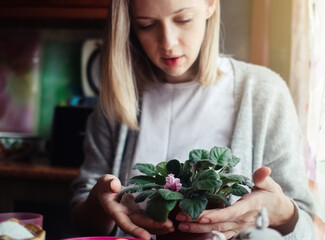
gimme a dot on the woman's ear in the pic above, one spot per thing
(212, 4)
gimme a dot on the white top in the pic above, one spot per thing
(166, 129)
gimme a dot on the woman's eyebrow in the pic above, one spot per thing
(143, 17)
(177, 11)
(183, 9)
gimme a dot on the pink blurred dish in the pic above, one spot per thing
(24, 217)
(102, 238)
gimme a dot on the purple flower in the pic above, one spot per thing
(172, 183)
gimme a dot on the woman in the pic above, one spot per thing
(164, 55)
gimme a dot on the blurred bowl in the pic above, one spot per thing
(24, 217)
(17, 146)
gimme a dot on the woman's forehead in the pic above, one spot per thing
(152, 8)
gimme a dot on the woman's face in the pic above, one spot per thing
(171, 33)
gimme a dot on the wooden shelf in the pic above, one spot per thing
(49, 13)
(35, 185)
(25, 171)
(55, 3)
(52, 13)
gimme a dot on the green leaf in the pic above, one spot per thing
(129, 189)
(186, 174)
(144, 195)
(234, 161)
(137, 188)
(170, 195)
(151, 185)
(174, 166)
(160, 179)
(159, 208)
(219, 197)
(141, 180)
(221, 155)
(187, 167)
(162, 169)
(148, 169)
(206, 180)
(193, 206)
(234, 178)
(205, 164)
(238, 190)
(198, 154)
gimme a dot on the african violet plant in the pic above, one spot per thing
(204, 178)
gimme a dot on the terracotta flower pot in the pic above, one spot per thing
(178, 235)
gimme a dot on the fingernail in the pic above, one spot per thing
(171, 229)
(148, 237)
(168, 226)
(184, 227)
(204, 220)
(181, 217)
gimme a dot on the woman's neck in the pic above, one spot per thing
(190, 75)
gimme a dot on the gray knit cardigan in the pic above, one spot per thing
(266, 133)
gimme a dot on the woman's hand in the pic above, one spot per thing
(127, 215)
(241, 215)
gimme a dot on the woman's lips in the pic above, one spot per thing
(172, 61)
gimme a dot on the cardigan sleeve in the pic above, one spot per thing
(267, 133)
(99, 150)
(284, 155)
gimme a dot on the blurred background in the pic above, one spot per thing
(49, 84)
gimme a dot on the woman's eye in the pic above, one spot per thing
(145, 26)
(184, 21)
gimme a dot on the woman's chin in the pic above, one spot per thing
(179, 76)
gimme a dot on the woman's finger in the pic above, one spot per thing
(115, 185)
(137, 215)
(125, 223)
(244, 221)
(217, 214)
(127, 214)
(204, 228)
(109, 184)
(121, 216)
(260, 174)
(161, 231)
(230, 213)
(107, 188)
(146, 222)
(263, 181)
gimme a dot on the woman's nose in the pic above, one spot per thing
(169, 37)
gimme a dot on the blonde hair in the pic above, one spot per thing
(126, 70)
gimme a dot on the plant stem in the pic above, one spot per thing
(227, 191)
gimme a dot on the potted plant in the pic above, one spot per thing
(202, 181)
